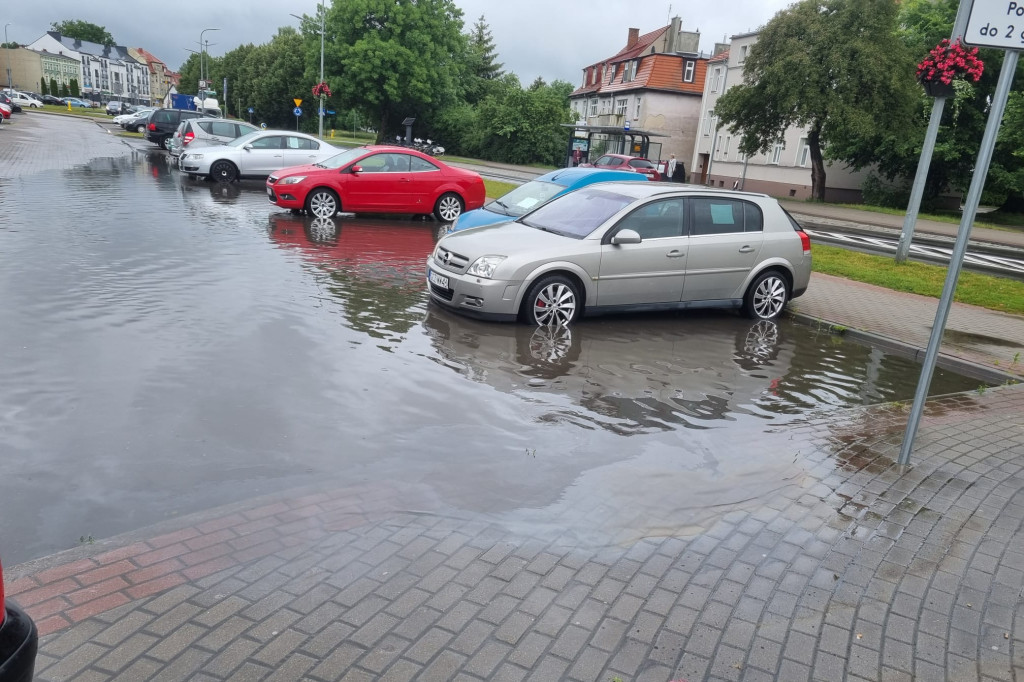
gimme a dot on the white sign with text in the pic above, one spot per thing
(996, 23)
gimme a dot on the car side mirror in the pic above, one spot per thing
(355, 170)
(626, 237)
(247, 147)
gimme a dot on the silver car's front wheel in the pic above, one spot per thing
(552, 301)
(322, 203)
(766, 296)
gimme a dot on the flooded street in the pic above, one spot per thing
(170, 346)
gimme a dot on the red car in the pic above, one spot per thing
(5, 111)
(626, 163)
(377, 179)
(18, 641)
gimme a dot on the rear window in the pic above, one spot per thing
(724, 216)
(641, 163)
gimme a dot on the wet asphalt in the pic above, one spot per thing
(172, 345)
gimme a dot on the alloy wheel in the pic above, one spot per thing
(449, 207)
(769, 297)
(323, 204)
(554, 304)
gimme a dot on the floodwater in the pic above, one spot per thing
(170, 346)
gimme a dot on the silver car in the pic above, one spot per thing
(626, 246)
(255, 155)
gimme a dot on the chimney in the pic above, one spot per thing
(634, 36)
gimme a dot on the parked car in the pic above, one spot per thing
(626, 163)
(76, 103)
(138, 121)
(163, 122)
(255, 155)
(23, 100)
(52, 99)
(9, 101)
(626, 246)
(537, 192)
(205, 132)
(115, 107)
(174, 143)
(5, 112)
(378, 179)
(19, 640)
(121, 119)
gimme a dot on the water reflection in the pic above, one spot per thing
(651, 373)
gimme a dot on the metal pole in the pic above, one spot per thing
(322, 26)
(988, 143)
(10, 85)
(202, 95)
(927, 148)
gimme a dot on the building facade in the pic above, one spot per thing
(104, 72)
(785, 171)
(655, 84)
(161, 78)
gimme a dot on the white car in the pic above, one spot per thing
(121, 119)
(23, 100)
(255, 155)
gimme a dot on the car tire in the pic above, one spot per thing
(141, 128)
(553, 299)
(223, 171)
(323, 203)
(165, 143)
(448, 207)
(766, 296)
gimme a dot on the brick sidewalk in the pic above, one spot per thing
(857, 570)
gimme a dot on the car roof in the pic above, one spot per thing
(567, 177)
(644, 190)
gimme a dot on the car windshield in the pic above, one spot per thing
(346, 157)
(525, 198)
(244, 139)
(577, 214)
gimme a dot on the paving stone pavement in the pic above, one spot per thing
(857, 569)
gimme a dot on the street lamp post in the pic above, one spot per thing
(202, 95)
(320, 104)
(10, 86)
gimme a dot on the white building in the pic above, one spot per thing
(785, 171)
(105, 73)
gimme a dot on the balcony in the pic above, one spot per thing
(607, 120)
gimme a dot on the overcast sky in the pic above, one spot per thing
(553, 39)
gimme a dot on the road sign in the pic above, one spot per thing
(330, 112)
(996, 23)
(263, 126)
(202, 84)
(627, 125)
(298, 102)
(251, 110)
(298, 111)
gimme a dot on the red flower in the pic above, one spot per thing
(948, 61)
(321, 89)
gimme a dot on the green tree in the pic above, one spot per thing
(54, 88)
(73, 87)
(83, 30)
(65, 91)
(267, 78)
(517, 125)
(834, 67)
(482, 67)
(43, 88)
(396, 58)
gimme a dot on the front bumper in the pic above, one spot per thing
(488, 299)
(18, 643)
(187, 164)
(289, 198)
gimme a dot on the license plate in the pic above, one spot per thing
(270, 192)
(439, 280)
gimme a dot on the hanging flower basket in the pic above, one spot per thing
(945, 63)
(321, 90)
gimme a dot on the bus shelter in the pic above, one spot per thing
(587, 143)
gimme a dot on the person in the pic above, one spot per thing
(680, 173)
(577, 157)
(671, 175)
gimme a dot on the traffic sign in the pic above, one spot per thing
(251, 110)
(298, 102)
(263, 126)
(330, 112)
(996, 23)
(298, 111)
(627, 125)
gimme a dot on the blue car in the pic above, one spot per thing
(525, 198)
(76, 103)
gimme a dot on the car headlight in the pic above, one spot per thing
(295, 179)
(195, 157)
(484, 266)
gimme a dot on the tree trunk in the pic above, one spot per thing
(383, 123)
(817, 162)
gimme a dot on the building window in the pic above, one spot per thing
(743, 53)
(718, 147)
(707, 123)
(725, 149)
(613, 70)
(593, 108)
(606, 106)
(636, 112)
(777, 153)
(688, 72)
(620, 106)
(716, 79)
(805, 153)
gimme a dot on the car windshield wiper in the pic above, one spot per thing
(319, 165)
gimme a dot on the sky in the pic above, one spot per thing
(553, 39)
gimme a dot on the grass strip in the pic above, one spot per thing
(497, 188)
(986, 291)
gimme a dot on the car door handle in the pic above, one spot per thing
(675, 253)
(746, 249)
(404, 180)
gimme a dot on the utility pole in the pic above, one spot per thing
(202, 93)
(10, 85)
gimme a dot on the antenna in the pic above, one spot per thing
(670, 12)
